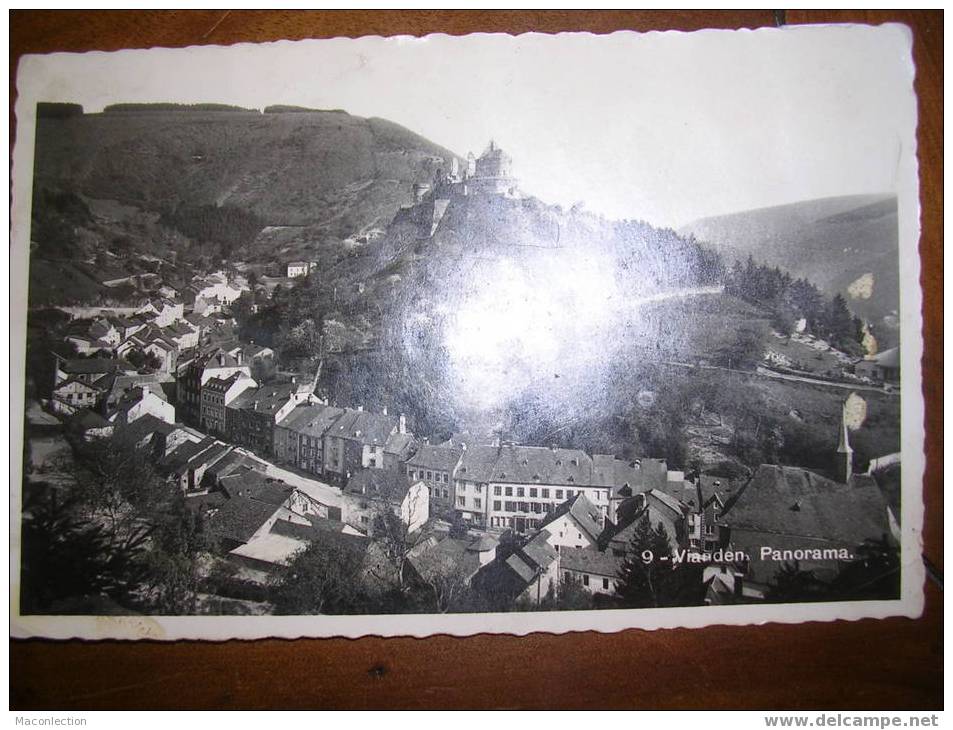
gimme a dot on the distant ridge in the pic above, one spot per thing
(290, 109)
(170, 107)
(329, 169)
(845, 244)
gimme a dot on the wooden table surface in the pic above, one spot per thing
(889, 664)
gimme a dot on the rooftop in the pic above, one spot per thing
(586, 514)
(583, 560)
(440, 458)
(364, 427)
(379, 484)
(311, 419)
(240, 518)
(794, 501)
(267, 399)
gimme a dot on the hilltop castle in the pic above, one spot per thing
(488, 174)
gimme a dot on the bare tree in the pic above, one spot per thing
(394, 535)
(445, 578)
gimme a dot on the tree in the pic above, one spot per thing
(144, 360)
(141, 516)
(570, 596)
(67, 560)
(394, 537)
(172, 561)
(791, 584)
(321, 578)
(444, 580)
(839, 322)
(643, 574)
(747, 348)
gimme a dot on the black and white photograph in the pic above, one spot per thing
(490, 333)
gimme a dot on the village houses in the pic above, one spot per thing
(217, 394)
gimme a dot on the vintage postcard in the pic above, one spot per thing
(404, 336)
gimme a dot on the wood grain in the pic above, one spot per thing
(890, 664)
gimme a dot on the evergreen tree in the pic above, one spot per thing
(644, 576)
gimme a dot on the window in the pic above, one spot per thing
(605, 583)
(545, 494)
(709, 529)
(511, 506)
(430, 475)
(567, 576)
(509, 491)
(445, 478)
(412, 473)
(461, 501)
(559, 494)
(533, 491)
(446, 494)
(477, 503)
(519, 491)
(363, 519)
(585, 580)
(524, 507)
(537, 507)
(478, 488)
(497, 491)
(497, 505)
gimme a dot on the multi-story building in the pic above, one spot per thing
(518, 487)
(296, 269)
(357, 441)
(217, 394)
(193, 373)
(299, 436)
(436, 466)
(251, 417)
(397, 449)
(369, 491)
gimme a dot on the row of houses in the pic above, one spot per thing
(790, 510)
(590, 507)
(511, 486)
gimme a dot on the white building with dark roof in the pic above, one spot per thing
(518, 487)
(596, 572)
(576, 523)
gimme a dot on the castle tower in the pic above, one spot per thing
(843, 447)
(493, 173)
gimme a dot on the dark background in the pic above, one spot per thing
(888, 664)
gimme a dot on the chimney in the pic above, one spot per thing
(294, 380)
(384, 412)
(360, 409)
(402, 424)
(240, 356)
